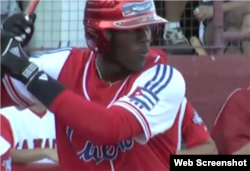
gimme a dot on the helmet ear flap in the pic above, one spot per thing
(97, 40)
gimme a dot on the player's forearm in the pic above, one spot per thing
(5, 98)
(234, 4)
(208, 147)
(101, 125)
(245, 150)
(27, 155)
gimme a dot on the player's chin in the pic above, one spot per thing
(136, 63)
(137, 66)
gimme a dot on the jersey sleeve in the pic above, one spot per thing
(231, 128)
(193, 130)
(155, 99)
(6, 100)
(6, 142)
(51, 63)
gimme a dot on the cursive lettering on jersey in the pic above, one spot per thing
(36, 143)
(97, 153)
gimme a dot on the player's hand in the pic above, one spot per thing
(204, 12)
(21, 25)
(14, 61)
(51, 154)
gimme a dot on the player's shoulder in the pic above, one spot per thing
(162, 80)
(9, 111)
(53, 54)
(161, 74)
(237, 103)
(156, 61)
(238, 93)
(61, 54)
(15, 115)
(54, 61)
(12, 114)
(237, 97)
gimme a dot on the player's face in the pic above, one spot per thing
(131, 47)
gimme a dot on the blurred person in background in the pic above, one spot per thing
(5, 5)
(5, 141)
(194, 137)
(173, 34)
(9, 7)
(31, 133)
(231, 131)
(236, 18)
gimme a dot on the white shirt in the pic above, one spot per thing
(31, 131)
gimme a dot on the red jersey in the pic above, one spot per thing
(137, 117)
(6, 142)
(192, 131)
(231, 129)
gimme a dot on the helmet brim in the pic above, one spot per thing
(135, 22)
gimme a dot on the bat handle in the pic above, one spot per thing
(32, 6)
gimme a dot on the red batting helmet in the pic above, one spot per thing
(116, 14)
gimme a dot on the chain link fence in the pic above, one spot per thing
(60, 24)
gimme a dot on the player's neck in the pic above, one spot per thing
(109, 71)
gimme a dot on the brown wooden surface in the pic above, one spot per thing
(211, 79)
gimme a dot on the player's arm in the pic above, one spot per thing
(21, 27)
(14, 92)
(245, 150)
(195, 134)
(153, 111)
(231, 130)
(6, 141)
(207, 147)
(26, 156)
